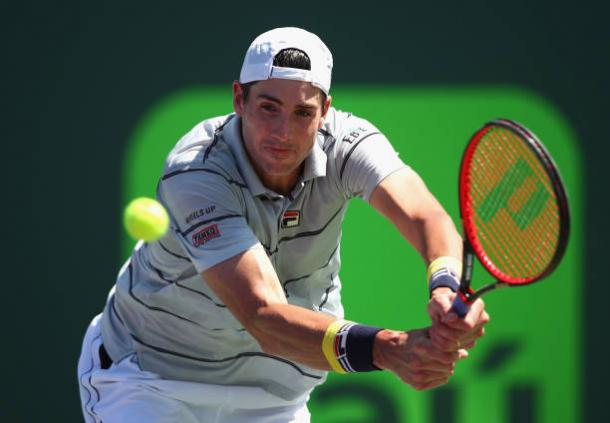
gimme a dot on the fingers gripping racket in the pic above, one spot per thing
(514, 209)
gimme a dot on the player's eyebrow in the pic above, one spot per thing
(270, 98)
(277, 100)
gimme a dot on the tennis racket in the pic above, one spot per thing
(514, 209)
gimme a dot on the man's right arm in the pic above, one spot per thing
(248, 285)
(232, 261)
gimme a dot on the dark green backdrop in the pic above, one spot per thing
(77, 76)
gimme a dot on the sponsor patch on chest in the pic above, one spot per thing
(204, 235)
(291, 218)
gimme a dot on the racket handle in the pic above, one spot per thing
(460, 306)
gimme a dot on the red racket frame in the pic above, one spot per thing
(472, 242)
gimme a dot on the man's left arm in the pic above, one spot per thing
(403, 198)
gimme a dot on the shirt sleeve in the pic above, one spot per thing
(365, 159)
(207, 216)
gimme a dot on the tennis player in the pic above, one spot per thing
(235, 315)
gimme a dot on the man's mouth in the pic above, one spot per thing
(279, 150)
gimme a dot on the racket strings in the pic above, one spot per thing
(524, 251)
(516, 214)
(497, 239)
(537, 198)
(517, 175)
(529, 200)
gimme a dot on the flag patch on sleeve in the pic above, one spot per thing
(291, 218)
(204, 235)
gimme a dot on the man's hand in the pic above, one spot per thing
(450, 332)
(413, 358)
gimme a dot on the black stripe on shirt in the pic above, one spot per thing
(291, 281)
(329, 140)
(349, 153)
(99, 398)
(306, 276)
(222, 125)
(217, 133)
(324, 132)
(114, 310)
(171, 253)
(221, 329)
(225, 359)
(82, 382)
(311, 233)
(205, 222)
(149, 306)
(327, 291)
(213, 172)
(209, 149)
(160, 274)
(268, 249)
(203, 294)
(179, 285)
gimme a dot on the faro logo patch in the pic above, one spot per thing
(204, 235)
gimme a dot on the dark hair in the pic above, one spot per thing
(287, 58)
(292, 58)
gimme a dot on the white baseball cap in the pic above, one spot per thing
(258, 63)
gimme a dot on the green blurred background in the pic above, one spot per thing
(87, 84)
(512, 369)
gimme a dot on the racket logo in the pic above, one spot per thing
(519, 193)
(513, 207)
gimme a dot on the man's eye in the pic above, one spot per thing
(303, 113)
(268, 107)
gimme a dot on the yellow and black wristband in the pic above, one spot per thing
(444, 271)
(348, 346)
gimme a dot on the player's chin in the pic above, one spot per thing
(281, 167)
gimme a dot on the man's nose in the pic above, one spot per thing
(281, 128)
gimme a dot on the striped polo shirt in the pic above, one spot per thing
(162, 309)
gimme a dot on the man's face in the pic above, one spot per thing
(280, 120)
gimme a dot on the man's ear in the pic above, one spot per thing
(238, 98)
(325, 111)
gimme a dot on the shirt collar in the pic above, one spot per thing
(315, 162)
(231, 133)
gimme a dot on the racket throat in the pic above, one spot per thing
(465, 292)
(468, 295)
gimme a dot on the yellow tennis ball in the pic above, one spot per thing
(145, 219)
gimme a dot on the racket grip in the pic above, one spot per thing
(460, 306)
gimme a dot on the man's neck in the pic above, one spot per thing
(282, 184)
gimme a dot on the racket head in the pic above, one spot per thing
(513, 203)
